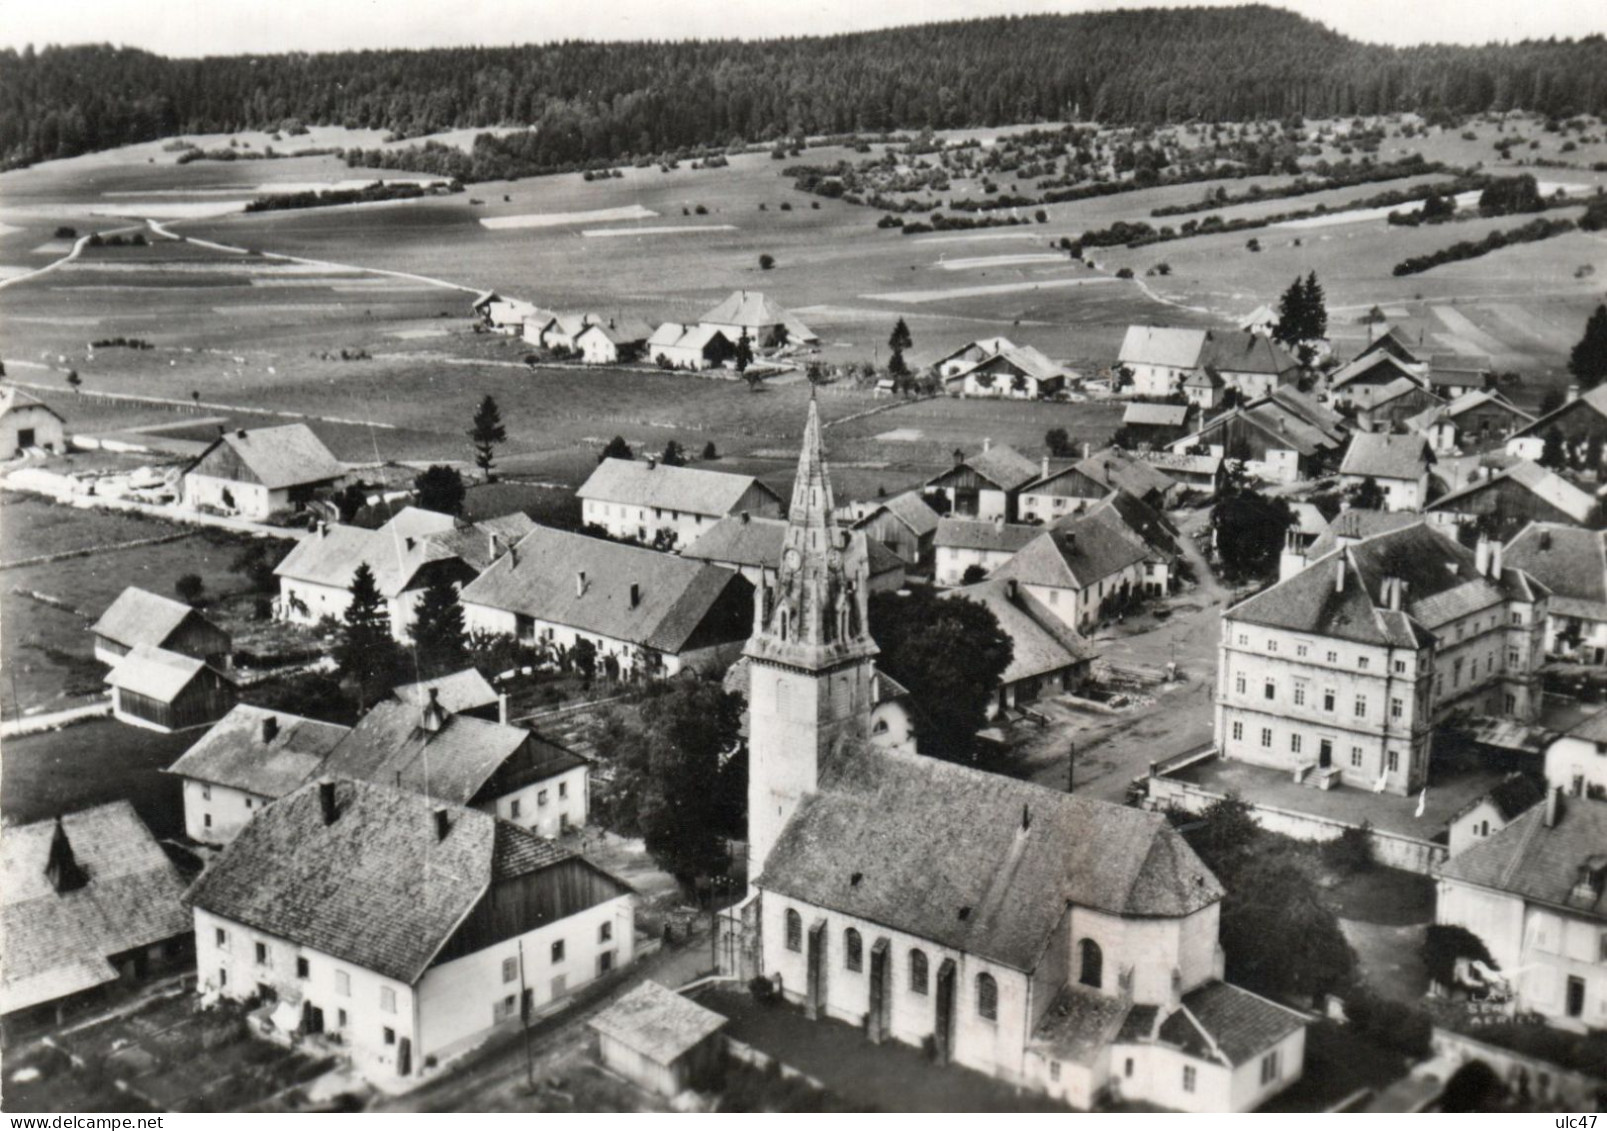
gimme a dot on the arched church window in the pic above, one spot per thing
(853, 950)
(1093, 963)
(917, 971)
(794, 930)
(987, 997)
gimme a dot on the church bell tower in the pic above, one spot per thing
(810, 656)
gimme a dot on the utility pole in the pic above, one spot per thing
(1071, 766)
(524, 1019)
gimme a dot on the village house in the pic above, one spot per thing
(986, 485)
(1376, 378)
(967, 545)
(1155, 425)
(1092, 566)
(141, 617)
(503, 315)
(1251, 363)
(1059, 492)
(1272, 446)
(259, 472)
(754, 314)
(1117, 470)
(248, 759)
(506, 771)
(27, 422)
(460, 693)
(753, 547)
(400, 929)
(1165, 359)
(1262, 320)
(905, 524)
(1059, 943)
(1454, 377)
(1491, 812)
(660, 1041)
(1205, 389)
(563, 331)
(415, 549)
(1192, 471)
(1576, 423)
(1340, 671)
(88, 901)
(168, 691)
(640, 499)
(1390, 340)
(534, 323)
(1572, 564)
(1398, 464)
(1509, 499)
(613, 341)
(675, 345)
(1536, 894)
(1576, 760)
(1047, 654)
(1476, 421)
(1161, 358)
(643, 612)
(1018, 372)
(969, 355)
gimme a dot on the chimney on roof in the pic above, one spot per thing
(959, 456)
(61, 866)
(1481, 556)
(1572, 395)
(1010, 588)
(1044, 467)
(1026, 817)
(240, 435)
(1293, 558)
(580, 583)
(270, 729)
(434, 716)
(326, 802)
(998, 522)
(1339, 574)
(323, 529)
(636, 594)
(502, 708)
(1085, 449)
(987, 443)
(408, 542)
(443, 824)
(1393, 587)
(1497, 552)
(1553, 806)
(492, 547)
(1545, 539)
(652, 462)
(744, 518)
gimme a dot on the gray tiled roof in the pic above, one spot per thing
(454, 763)
(757, 543)
(1542, 483)
(1542, 864)
(938, 850)
(233, 753)
(1570, 562)
(1242, 1024)
(1382, 455)
(1041, 643)
(461, 691)
(984, 534)
(1119, 470)
(690, 489)
(155, 672)
(284, 456)
(1168, 346)
(141, 617)
(657, 1022)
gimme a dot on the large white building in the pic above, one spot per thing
(26, 422)
(1342, 669)
(258, 472)
(401, 929)
(643, 500)
(1064, 944)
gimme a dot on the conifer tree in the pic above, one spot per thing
(487, 432)
(366, 653)
(439, 640)
(1588, 361)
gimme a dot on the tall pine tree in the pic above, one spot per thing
(1588, 361)
(1315, 309)
(486, 433)
(439, 641)
(366, 654)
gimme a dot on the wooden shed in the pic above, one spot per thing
(659, 1040)
(166, 691)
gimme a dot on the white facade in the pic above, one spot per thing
(1399, 494)
(248, 500)
(1577, 766)
(215, 814)
(30, 426)
(308, 602)
(951, 562)
(549, 807)
(1049, 508)
(627, 520)
(1157, 380)
(529, 630)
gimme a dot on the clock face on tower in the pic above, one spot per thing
(835, 559)
(792, 558)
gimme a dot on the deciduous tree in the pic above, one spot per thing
(439, 488)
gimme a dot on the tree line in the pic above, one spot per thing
(600, 101)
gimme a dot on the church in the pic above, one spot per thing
(1060, 943)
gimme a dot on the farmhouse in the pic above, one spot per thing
(1452, 377)
(535, 322)
(613, 341)
(964, 544)
(1349, 527)
(1576, 762)
(1272, 444)
(1117, 470)
(1572, 564)
(905, 524)
(986, 485)
(166, 691)
(506, 315)
(1161, 358)
(505, 771)
(248, 760)
(1536, 894)
(1262, 320)
(28, 422)
(87, 901)
(677, 346)
(141, 617)
(1391, 341)
(644, 613)
(1018, 372)
(1058, 492)
(1340, 672)
(1476, 421)
(1489, 814)
(970, 354)
(1047, 655)
(259, 472)
(461, 693)
(1578, 420)
(407, 928)
(1363, 382)
(659, 1040)
(754, 314)
(1155, 425)
(563, 331)
(1398, 464)
(1522, 493)
(1194, 471)
(1205, 388)
(642, 499)
(753, 547)
(1252, 363)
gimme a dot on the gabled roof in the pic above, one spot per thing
(984, 534)
(1465, 403)
(1355, 524)
(1591, 401)
(139, 616)
(1541, 864)
(1081, 551)
(1570, 562)
(754, 308)
(1169, 346)
(1241, 1025)
(657, 1023)
(288, 455)
(540, 579)
(1512, 795)
(1287, 401)
(667, 334)
(1383, 455)
(691, 489)
(1453, 372)
(909, 508)
(1392, 341)
(977, 862)
(330, 556)
(236, 753)
(377, 887)
(454, 762)
(1024, 360)
(466, 690)
(479, 544)
(1262, 315)
(570, 323)
(1119, 470)
(1041, 643)
(1592, 728)
(1181, 463)
(978, 350)
(59, 943)
(1204, 378)
(156, 673)
(1540, 482)
(1247, 352)
(740, 540)
(621, 331)
(1376, 368)
(12, 397)
(1157, 415)
(1000, 464)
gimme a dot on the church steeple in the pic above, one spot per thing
(815, 616)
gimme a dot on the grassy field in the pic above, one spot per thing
(90, 764)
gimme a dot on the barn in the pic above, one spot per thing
(255, 473)
(659, 1040)
(165, 691)
(28, 422)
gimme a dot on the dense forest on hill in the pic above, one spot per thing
(606, 101)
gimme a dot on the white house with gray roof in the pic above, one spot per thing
(636, 500)
(256, 472)
(1399, 464)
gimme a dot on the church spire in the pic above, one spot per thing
(815, 615)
